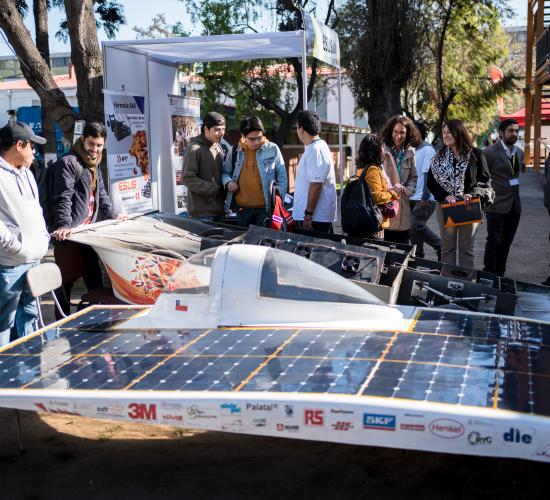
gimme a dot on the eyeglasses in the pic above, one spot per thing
(254, 139)
(24, 144)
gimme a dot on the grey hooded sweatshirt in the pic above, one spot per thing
(23, 234)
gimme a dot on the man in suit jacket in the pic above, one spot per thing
(505, 162)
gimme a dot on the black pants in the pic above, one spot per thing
(396, 236)
(75, 261)
(501, 229)
(420, 232)
(251, 216)
(320, 227)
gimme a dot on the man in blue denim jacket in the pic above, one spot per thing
(248, 172)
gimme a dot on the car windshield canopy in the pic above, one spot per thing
(193, 275)
(286, 276)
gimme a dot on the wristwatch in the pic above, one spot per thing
(308, 212)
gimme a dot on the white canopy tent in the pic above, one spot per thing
(150, 68)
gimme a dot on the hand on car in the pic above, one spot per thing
(450, 199)
(61, 234)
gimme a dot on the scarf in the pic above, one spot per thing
(89, 163)
(449, 172)
(398, 156)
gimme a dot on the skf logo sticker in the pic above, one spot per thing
(142, 411)
(378, 422)
(314, 417)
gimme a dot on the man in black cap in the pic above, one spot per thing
(202, 169)
(23, 235)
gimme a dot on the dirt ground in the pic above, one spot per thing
(74, 457)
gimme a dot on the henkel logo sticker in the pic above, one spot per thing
(412, 427)
(142, 411)
(314, 417)
(475, 438)
(342, 426)
(446, 428)
(230, 408)
(519, 436)
(378, 422)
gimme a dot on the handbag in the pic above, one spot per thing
(389, 210)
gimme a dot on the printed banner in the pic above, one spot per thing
(127, 152)
(185, 124)
(322, 41)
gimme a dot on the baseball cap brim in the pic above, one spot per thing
(37, 139)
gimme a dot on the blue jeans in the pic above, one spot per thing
(18, 310)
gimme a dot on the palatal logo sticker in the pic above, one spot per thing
(446, 428)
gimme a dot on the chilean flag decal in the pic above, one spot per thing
(180, 306)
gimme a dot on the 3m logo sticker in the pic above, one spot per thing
(142, 411)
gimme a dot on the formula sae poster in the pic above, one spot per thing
(185, 124)
(127, 152)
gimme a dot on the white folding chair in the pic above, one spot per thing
(44, 278)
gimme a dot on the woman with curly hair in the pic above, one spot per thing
(369, 156)
(399, 135)
(458, 172)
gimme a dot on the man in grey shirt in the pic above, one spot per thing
(23, 235)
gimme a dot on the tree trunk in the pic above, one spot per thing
(384, 101)
(35, 69)
(86, 57)
(40, 11)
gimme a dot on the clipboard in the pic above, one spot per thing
(456, 215)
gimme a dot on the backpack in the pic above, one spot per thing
(279, 218)
(360, 216)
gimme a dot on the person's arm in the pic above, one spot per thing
(391, 169)
(410, 184)
(373, 178)
(190, 174)
(104, 202)
(482, 187)
(62, 193)
(9, 242)
(280, 174)
(439, 193)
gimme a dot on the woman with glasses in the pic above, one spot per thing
(458, 172)
(399, 134)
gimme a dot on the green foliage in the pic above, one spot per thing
(442, 66)
(159, 28)
(268, 88)
(474, 41)
(109, 17)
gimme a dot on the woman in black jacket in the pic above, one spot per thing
(458, 172)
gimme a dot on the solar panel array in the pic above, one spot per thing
(446, 357)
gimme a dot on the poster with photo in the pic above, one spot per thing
(185, 123)
(127, 152)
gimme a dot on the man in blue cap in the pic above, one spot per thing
(23, 235)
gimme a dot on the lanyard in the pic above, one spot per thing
(513, 164)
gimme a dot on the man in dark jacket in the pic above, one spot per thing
(76, 195)
(505, 162)
(202, 168)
